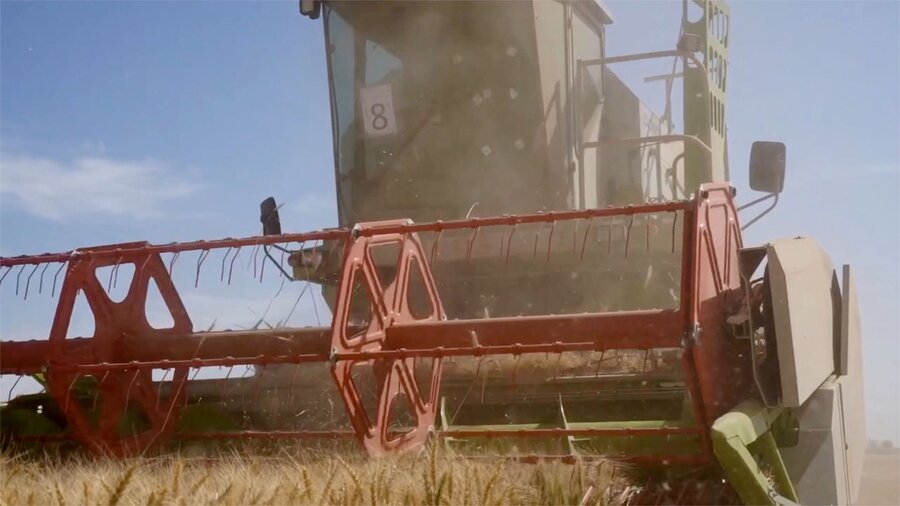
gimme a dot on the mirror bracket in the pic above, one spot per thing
(773, 196)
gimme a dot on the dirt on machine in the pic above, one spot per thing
(529, 262)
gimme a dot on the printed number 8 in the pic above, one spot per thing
(379, 121)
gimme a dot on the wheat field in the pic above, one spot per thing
(432, 476)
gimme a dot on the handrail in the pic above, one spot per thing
(650, 139)
(581, 64)
(649, 56)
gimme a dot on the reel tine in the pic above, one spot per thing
(648, 232)
(55, 276)
(41, 279)
(9, 397)
(509, 242)
(146, 261)
(471, 245)
(308, 286)
(173, 398)
(483, 383)
(628, 234)
(609, 236)
(237, 253)
(281, 264)
(28, 280)
(556, 365)
(244, 390)
(550, 239)
(575, 236)
(674, 221)
(116, 275)
(300, 247)
(172, 261)
(18, 277)
(587, 232)
(224, 258)
(599, 364)
(99, 389)
(312, 297)
(140, 271)
(262, 271)
(468, 391)
(203, 254)
(255, 259)
(109, 282)
(160, 385)
(4, 274)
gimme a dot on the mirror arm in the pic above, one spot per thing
(773, 196)
(757, 201)
(276, 263)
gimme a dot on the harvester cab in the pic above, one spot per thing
(446, 111)
(529, 262)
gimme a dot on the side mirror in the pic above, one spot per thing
(767, 166)
(268, 215)
(311, 8)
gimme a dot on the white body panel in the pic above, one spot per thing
(801, 277)
(851, 380)
(826, 465)
(817, 464)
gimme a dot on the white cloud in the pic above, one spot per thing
(57, 190)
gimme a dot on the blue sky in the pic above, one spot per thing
(193, 112)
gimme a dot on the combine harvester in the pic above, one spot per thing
(573, 282)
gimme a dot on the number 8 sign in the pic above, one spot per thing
(378, 110)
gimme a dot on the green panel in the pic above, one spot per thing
(706, 118)
(635, 445)
(743, 441)
(26, 422)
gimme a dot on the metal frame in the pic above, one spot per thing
(582, 145)
(121, 355)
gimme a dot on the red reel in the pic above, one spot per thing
(96, 414)
(409, 295)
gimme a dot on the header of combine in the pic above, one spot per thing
(529, 261)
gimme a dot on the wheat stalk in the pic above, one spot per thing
(121, 485)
